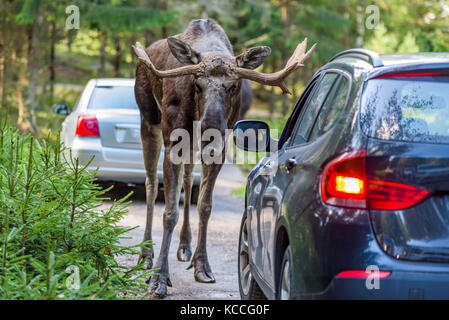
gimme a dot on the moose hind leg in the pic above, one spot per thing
(151, 143)
(184, 250)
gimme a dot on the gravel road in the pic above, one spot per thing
(222, 238)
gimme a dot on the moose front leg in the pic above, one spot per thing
(203, 272)
(184, 251)
(172, 184)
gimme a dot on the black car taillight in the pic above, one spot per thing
(344, 183)
(87, 126)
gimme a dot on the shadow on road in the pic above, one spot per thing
(120, 190)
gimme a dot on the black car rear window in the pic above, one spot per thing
(407, 109)
(113, 97)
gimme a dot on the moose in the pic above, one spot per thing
(192, 76)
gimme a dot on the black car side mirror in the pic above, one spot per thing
(252, 135)
(62, 109)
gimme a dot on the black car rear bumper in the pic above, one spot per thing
(350, 244)
(399, 285)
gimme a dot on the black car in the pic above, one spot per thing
(353, 203)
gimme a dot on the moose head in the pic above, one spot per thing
(217, 75)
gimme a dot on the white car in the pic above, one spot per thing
(105, 124)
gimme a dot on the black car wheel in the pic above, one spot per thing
(286, 289)
(248, 287)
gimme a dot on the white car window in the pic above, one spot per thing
(113, 97)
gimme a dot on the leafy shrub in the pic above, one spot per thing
(52, 228)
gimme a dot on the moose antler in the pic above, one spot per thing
(181, 71)
(273, 79)
(277, 79)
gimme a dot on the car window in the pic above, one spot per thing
(310, 111)
(113, 97)
(407, 109)
(332, 109)
(290, 125)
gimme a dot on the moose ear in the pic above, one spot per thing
(183, 52)
(253, 57)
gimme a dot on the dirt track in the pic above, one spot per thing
(222, 240)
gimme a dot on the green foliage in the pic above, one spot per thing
(411, 26)
(382, 41)
(102, 47)
(130, 19)
(28, 12)
(46, 119)
(408, 44)
(53, 227)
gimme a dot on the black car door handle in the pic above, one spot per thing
(290, 164)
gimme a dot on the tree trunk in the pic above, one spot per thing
(149, 37)
(21, 109)
(4, 62)
(164, 9)
(2, 73)
(23, 119)
(360, 24)
(32, 71)
(118, 57)
(132, 65)
(102, 66)
(3, 82)
(51, 67)
(70, 36)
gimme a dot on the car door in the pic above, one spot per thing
(261, 180)
(314, 140)
(292, 167)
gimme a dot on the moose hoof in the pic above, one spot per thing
(148, 260)
(184, 254)
(203, 271)
(159, 288)
(148, 256)
(204, 276)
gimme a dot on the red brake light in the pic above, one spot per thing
(87, 126)
(386, 195)
(344, 184)
(409, 74)
(363, 274)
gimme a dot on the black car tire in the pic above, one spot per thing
(248, 287)
(285, 286)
